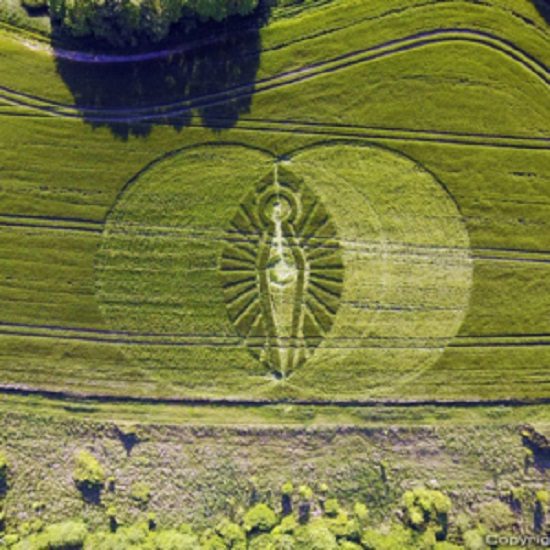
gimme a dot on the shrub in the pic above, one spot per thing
(316, 535)
(287, 488)
(212, 541)
(304, 508)
(141, 493)
(396, 537)
(425, 508)
(496, 516)
(541, 510)
(543, 497)
(260, 518)
(88, 472)
(305, 492)
(287, 526)
(361, 513)
(173, 540)
(474, 539)
(263, 542)
(286, 498)
(332, 508)
(342, 527)
(62, 536)
(232, 534)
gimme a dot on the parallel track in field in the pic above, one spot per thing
(160, 112)
(56, 223)
(134, 338)
(70, 397)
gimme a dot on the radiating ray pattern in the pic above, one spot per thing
(282, 271)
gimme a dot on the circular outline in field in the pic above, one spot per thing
(418, 230)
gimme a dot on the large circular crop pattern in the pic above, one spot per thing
(340, 270)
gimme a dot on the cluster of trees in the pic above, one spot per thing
(304, 521)
(127, 22)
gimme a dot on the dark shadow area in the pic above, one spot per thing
(90, 493)
(129, 439)
(36, 11)
(208, 71)
(543, 7)
(539, 445)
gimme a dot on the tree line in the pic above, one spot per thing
(127, 22)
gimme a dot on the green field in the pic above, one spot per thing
(445, 292)
(335, 221)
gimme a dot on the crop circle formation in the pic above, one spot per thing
(343, 268)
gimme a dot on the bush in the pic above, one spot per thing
(260, 518)
(425, 508)
(141, 493)
(496, 517)
(173, 540)
(315, 536)
(232, 534)
(88, 472)
(61, 536)
(396, 537)
(474, 539)
(332, 508)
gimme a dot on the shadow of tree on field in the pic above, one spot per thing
(543, 6)
(209, 73)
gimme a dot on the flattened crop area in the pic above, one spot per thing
(349, 204)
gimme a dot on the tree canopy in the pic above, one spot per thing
(125, 22)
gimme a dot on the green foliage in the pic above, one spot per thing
(316, 535)
(474, 539)
(543, 496)
(69, 535)
(305, 492)
(287, 526)
(332, 508)
(88, 472)
(260, 530)
(361, 513)
(141, 493)
(138, 536)
(123, 23)
(496, 516)
(348, 545)
(173, 540)
(232, 534)
(425, 508)
(260, 518)
(287, 488)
